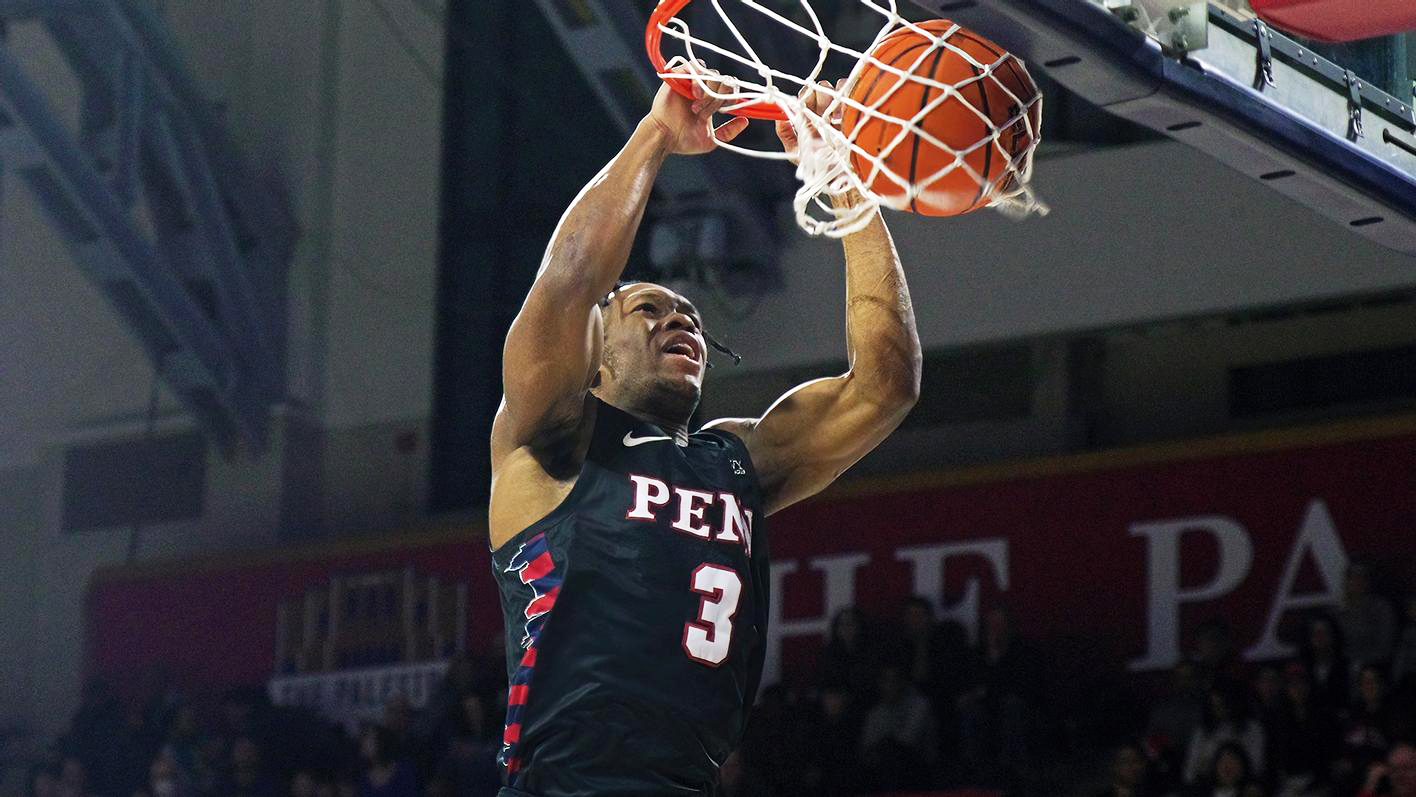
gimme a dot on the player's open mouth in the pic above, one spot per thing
(683, 345)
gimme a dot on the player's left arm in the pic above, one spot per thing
(814, 432)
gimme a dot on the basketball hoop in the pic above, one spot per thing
(831, 162)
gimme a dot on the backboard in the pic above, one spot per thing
(1330, 126)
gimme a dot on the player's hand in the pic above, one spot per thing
(688, 123)
(817, 101)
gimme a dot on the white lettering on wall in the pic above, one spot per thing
(1317, 538)
(838, 573)
(1163, 592)
(927, 564)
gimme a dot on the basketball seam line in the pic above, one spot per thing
(880, 73)
(914, 151)
(988, 150)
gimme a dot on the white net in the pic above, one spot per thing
(832, 162)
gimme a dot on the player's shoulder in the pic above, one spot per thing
(741, 427)
(733, 432)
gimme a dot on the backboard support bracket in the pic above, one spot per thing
(1293, 133)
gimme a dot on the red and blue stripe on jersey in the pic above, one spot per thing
(538, 571)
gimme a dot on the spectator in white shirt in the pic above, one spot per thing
(1226, 719)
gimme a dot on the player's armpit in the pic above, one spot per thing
(814, 432)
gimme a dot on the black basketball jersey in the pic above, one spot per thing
(636, 617)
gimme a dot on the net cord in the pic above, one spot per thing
(824, 157)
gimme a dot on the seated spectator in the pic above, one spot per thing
(849, 658)
(248, 778)
(923, 645)
(1395, 777)
(240, 712)
(1226, 719)
(1403, 665)
(1173, 720)
(1367, 621)
(1269, 695)
(1324, 655)
(304, 783)
(1269, 706)
(444, 705)
(386, 772)
(994, 727)
(938, 656)
(1213, 652)
(1367, 735)
(43, 781)
(165, 778)
(1130, 773)
(1229, 775)
(73, 778)
(469, 766)
(184, 738)
(1306, 738)
(835, 731)
(900, 740)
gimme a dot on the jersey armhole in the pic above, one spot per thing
(550, 518)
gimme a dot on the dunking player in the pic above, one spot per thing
(630, 552)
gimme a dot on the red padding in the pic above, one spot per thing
(1338, 20)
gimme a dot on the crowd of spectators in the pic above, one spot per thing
(243, 746)
(908, 704)
(1337, 720)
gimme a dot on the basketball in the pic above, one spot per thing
(977, 164)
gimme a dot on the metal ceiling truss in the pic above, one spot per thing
(199, 277)
(606, 40)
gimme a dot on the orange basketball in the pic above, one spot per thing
(948, 189)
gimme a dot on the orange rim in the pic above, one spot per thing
(667, 10)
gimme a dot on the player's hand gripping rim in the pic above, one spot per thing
(688, 124)
(817, 99)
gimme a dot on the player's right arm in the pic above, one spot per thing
(552, 350)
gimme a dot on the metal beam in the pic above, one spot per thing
(16, 10)
(198, 146)
(205, 291)
(185, 345)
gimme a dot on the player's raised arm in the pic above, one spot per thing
(816, 431)
(552, 350)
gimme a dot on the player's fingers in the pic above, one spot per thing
(723, 86)
(730, 129)
(823, 91)
(708, 84)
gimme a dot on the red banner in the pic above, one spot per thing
(1115, 554)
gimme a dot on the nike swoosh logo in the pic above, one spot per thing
(630, 441)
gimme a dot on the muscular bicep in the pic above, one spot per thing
(550, 358)
(813, 433)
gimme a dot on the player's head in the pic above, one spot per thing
(655, 353)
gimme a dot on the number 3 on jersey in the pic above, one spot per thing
(707, 640)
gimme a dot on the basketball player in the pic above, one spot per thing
(630, 550)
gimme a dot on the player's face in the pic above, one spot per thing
(654, 345)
